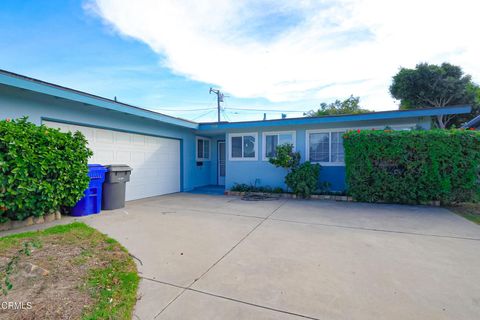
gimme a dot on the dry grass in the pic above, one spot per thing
(90, 276)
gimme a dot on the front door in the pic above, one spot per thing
(221, 163)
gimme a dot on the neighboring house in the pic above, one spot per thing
(474, 123)
(169, 154)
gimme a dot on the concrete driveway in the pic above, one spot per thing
(218, 257)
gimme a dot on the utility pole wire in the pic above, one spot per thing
(220, 96)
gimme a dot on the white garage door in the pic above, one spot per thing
(155, 161)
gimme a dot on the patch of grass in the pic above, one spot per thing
(100, 269)
(470, 211)
(115, 292)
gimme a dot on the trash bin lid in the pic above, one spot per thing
(96, 167)
(118, 167)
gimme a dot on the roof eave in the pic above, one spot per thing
(337, 119)
(38, 86)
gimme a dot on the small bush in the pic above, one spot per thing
(303, 180)
(413, 166)
(242, 187)
(41, 169)
(285, 157)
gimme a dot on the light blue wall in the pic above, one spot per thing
(262, 173)
(15, 103)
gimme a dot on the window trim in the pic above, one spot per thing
(242, 134)
(264, 140)
(209, 148)
(406, 126)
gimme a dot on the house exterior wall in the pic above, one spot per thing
(16, 103)
(262, 173)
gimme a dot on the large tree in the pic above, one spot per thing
(430, 85)
(350, 105)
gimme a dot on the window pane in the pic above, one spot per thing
(248, 147)
(206, 149)
(285, 138)
(236, 147)
(337, 147)
(319, 147)
(199, 148)
(271, 142)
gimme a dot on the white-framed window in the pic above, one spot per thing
(325, 146)
(243, 146)
(203, 149)
(270, 141)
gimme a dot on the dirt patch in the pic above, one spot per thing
(53, 282)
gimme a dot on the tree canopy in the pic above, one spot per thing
(430, 85)
(350, 105)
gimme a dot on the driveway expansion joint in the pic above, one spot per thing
(376, 230)
(221, 258)
(225, 298)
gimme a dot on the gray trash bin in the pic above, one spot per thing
(116, 177)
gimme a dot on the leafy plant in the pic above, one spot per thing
(6, 285)
(41, 169)
(351, 105)
(243, 187)
(413, 166)
(285, 157)
(303, 180)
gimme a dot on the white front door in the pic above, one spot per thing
(221, 162)
(155, 161)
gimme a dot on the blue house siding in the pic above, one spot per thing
(262, 173)
(16, 103)
(40, 101)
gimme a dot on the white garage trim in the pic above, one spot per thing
(156, 160)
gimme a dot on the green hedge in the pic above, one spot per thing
(412, 166)
(41, 169)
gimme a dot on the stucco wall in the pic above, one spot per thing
(263, 173)
(15, 103)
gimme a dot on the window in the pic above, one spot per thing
(203, 149)
(273, 139)
(325, 147)
(243, 146)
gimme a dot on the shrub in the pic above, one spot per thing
(285, 157)
(242, 187)
(412, 166)
(41, 169)
(303, 180)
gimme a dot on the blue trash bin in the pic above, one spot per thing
(92, 199)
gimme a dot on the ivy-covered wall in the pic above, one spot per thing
(412, 166)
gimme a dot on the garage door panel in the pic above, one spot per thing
(155, 161)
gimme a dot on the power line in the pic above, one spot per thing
(265, 110)
(184, 110)
(202, 115)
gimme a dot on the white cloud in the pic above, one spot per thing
(300, 50)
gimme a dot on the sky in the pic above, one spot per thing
(267, 56)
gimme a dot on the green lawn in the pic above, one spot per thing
(470, 211)
(90, 276)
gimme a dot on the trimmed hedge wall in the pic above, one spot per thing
(412, 166)
(41, 169)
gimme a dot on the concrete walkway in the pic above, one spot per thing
(217, 257)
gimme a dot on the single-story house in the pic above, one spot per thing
(170, 154)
